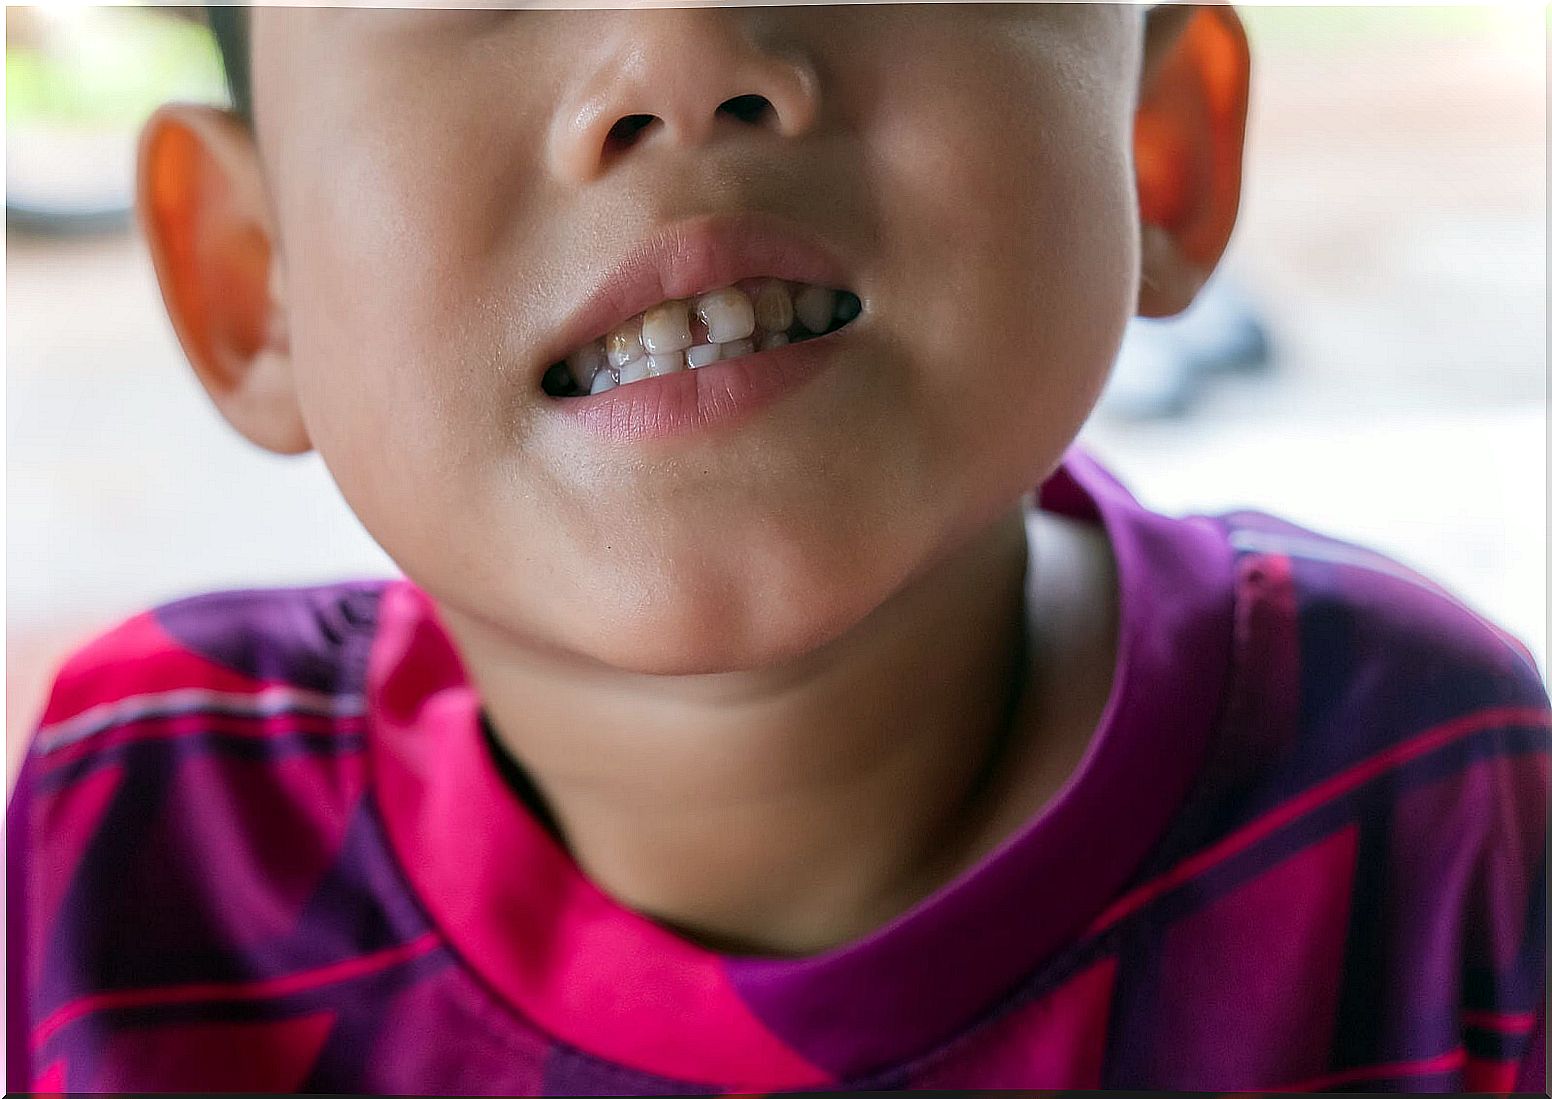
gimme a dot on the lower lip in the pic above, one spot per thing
(699, 399)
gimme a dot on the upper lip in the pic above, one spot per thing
(690, 257)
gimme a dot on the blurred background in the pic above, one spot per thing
(1370, 360)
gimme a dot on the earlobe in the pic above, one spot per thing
(201, 205)
(1169, 280)
(1188, 146)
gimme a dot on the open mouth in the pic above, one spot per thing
(748, 317)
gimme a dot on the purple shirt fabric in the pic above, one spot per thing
(260, 844)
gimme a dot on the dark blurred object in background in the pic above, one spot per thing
(1164, 364)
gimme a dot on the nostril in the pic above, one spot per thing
(624, 132)
(747, 108)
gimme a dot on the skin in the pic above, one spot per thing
(761, 676)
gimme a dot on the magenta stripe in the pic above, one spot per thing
(1505, 1022)
(1444, 1062)
(267, 988)
(1312, 799)
(18, 846)
(192, 724)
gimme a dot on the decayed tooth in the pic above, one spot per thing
(634, 371)
(847, 306)
(815, 306)
(666, 328)
(658, 365)
(769, 340)
(586, 363)
(624, 344)
(703, 354)
(603, 380)
(737, 348)
(773, 306)
(727, 313)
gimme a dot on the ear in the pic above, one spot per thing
(202, 205)
(1188, 145)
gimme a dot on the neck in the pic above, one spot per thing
(784, 810)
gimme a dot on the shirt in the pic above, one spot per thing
(259, 843)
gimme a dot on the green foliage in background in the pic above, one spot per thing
(111, 67)
(1346, 25)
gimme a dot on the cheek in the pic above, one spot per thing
(402, 340)
(1015, 255)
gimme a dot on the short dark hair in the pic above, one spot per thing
(229, 24)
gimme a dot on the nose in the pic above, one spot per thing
(682, 78)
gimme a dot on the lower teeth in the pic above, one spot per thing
(559, 381)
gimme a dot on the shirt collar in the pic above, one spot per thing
(615, 985)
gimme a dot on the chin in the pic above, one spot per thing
(692, 633)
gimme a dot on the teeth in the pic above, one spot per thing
(624, 344)
(634, 371)
(586, 363)
(666, 328)
(658, 365)
(815, 306)
(703, 354)
(680, 334)
(727, 313)
(773, 307)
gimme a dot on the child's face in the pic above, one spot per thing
(446, 196)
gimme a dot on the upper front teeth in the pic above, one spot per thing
(727, 315)
(721, 324)
(664, 329)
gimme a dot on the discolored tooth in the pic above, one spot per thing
(847, 307)
(602, 381)
(624, 344)
(727, 313)
(634, 371)
(658, 365)
(703, 354)
(586, 363)
(815, 307)
(737, 348)
(769, 340)
(773, 307)
(666, 328)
